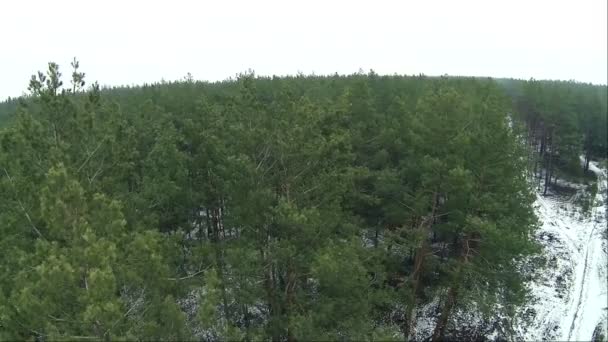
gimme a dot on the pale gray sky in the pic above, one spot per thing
(130, 42)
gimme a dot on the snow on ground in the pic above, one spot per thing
(570, 292)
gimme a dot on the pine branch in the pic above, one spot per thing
(189, 276)
(27, 215)
(89, 156)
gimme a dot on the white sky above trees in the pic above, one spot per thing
(131, 42)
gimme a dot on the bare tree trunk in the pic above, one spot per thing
(219, 259)
(209, 229)
(246, 321)
(269, 286)
(549, 167)
(376, 233)
(290, 288)
(543, 141)
(587, 149)
(419, 260)
(542, 154)
(452, 296)
(450, 302)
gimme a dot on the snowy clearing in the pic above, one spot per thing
(570, 295)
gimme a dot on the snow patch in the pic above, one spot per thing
(570, 291)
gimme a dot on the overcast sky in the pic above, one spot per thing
(130, 42)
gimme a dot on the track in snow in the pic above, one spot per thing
(580, 296)
(570, 292)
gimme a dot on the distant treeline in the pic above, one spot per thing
(564, 120)
(284, 208)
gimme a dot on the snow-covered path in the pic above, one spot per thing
(571, 292)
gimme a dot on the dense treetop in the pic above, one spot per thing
(291, 208)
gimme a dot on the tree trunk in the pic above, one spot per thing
(219, 260)
(246, 321)
(439, 331)
(542, 142)
(549, 167)
(419, 259)
(587, 149)
(410, 323)
(452, 296)
(376, 233)
(269, 284)
(209, 229)
(542, 155)
(290, 287)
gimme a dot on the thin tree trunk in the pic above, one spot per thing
(245, 313)
(410, 323)
(270, 287)
(209, 229)
(376, 233)
(219, 260)
(452, 296)
(542, 142)
(532, 149)
(268, 283)
(439, 331)
(549, 167)
(587, 149)
(419, 260)
(290, 287)
(542, 154)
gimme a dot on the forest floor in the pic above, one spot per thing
(570, 291)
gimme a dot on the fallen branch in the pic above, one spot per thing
(89, 156)
(188, 276)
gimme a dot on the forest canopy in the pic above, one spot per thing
(283, 208)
